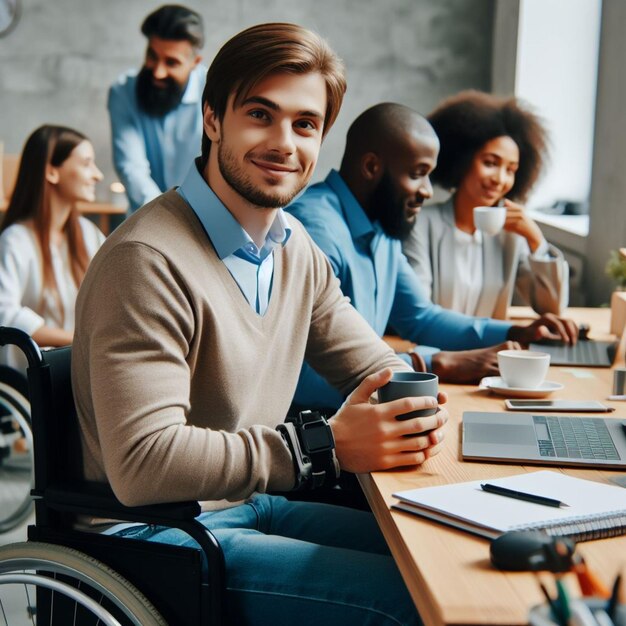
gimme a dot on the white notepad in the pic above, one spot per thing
(595, 510)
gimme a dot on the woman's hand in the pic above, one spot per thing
(518, 221)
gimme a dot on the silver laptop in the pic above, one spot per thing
(544, 439)
(588, 353)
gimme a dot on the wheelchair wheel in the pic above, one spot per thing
(43, 583)
(16, 461)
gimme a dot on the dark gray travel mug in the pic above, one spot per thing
(410, 384)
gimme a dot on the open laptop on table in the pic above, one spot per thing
(586, 353)
(544, 439)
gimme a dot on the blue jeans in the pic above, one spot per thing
(301, 563)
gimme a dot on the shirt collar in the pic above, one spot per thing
(359, 224)
(225, 232)
(195, 85)
(475, 238)
(280, 231)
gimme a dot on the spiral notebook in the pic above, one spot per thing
(594, 511)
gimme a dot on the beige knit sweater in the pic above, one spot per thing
(179, 384)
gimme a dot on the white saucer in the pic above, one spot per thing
(497, 385)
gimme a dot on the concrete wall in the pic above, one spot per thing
(57, 64)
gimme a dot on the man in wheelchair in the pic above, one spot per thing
(192, 325)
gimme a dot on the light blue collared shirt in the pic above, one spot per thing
(250, 266)
(152, 154)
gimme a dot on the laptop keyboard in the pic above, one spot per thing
(575, 438)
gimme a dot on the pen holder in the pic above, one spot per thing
(541, 615)
(618, 313)
(619, 381)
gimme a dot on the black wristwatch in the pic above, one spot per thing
(314, 451)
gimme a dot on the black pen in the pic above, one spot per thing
(554, 609)
(520, 495)
(611, 606)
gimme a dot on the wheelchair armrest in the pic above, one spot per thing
(17, 337)
(100, 501)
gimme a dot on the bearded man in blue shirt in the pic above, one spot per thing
(156, 113)
(359, 216)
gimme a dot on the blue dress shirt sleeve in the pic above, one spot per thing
(129, 148)
(416, 318)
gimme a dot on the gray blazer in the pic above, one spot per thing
(508, 267)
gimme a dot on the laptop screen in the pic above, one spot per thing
(587, 353)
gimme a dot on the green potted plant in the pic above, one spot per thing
(616, 268)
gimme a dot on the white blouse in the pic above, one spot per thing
(23, 302)
(468, 275)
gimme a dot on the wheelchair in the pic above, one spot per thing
(63, 575)
(16, 463)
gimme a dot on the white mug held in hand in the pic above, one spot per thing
(523, 369)
(489, 219)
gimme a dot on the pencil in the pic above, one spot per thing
(563, 601)
(590, 584)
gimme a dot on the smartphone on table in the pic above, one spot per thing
(589, 406)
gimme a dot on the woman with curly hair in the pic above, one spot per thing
(492, 152)
(45, 245)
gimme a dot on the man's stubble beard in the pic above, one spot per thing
(234, 175)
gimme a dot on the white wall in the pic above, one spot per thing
(557, 60)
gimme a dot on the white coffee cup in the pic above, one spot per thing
(525, 369)
(489, 219)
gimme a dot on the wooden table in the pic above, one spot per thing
(103, 209)
(447, 571)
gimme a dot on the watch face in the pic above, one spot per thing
(9, 13)
(317, 437)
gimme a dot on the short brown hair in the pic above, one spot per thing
(265, 49)
(465, 122)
